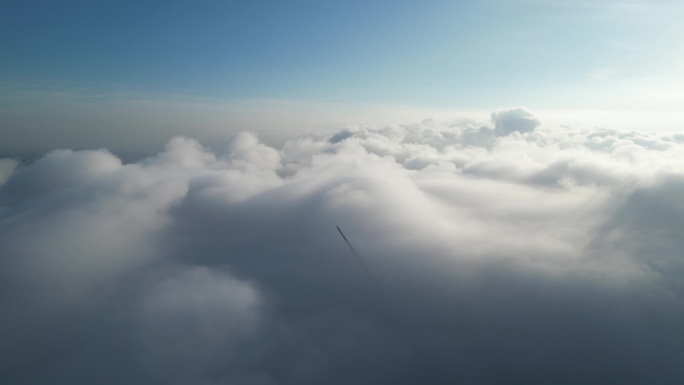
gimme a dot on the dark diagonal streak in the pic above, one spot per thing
(356, 255)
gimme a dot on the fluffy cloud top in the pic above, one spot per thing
(514, 120)
(539, 257)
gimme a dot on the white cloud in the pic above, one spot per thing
(514, 120)
(191, 320)
(501, 252)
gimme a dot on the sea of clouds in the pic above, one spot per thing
(499, 253)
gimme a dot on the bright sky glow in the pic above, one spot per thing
(609, 55)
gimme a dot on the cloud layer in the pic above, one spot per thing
(500, 253)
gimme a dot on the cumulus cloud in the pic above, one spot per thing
(501, 253)
(514, 120)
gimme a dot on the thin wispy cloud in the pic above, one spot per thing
(614, 8)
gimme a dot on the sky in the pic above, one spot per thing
(509, 174)
(66, 68)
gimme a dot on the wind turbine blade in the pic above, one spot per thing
(356, 255)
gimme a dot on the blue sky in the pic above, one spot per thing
(451, 55)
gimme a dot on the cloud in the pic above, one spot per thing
(501, 252)
(514, 120)
(191, 320)
(7, 166)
